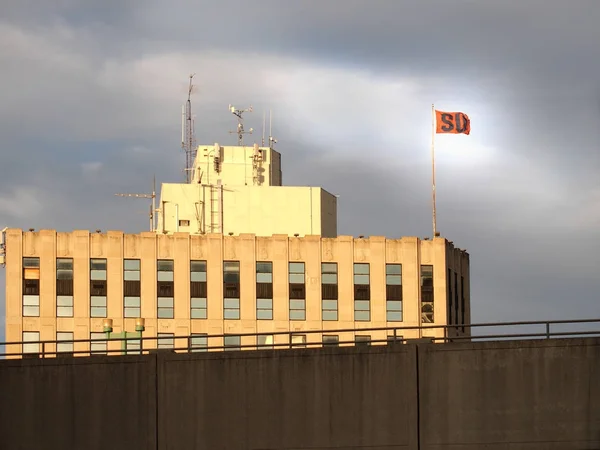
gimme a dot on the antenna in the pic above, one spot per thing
(188, 139)
(272, 140)
(240, 128)
(152, 205)
(263, 130)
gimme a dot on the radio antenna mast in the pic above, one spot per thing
(272, 140)
(152, 204)
(240, 128)
(188, 139)
(263, 129)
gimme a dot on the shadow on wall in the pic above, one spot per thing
(404, 396)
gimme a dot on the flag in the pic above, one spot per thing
(452, 123)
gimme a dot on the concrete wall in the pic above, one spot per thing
(328, 214)
(515, 395)
(300, 399)
(94, 403)
(510, 395)
(236, 164)
(259, 210)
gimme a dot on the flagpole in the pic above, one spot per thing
(434, 219)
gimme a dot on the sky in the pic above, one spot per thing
(91, 95)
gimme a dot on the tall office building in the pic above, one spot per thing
(232, 253)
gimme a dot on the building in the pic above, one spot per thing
(233, 253)
(237, 189)
(196, 285)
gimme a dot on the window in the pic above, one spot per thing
(31, 287)
(393, 292)
(297, 291)
(462, 302)
(231, 290)
(264, 341)
(98, 288)
(362, 340)
(329, 291)
(65, 342)
(331, 340)
(427, 311)
(362, 293)
(199, 342)
(133, 346)
(98, 347)
(198, 290)
(264, 291)
(184, 223)
(165, 289)
(131, 288)
(232, 342)
(64, 287)
(449, 312)
(456, 318)
(298, 340)
(165, 340)
(31, 341)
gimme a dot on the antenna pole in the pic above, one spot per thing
(272, 140)
(263, 130)
(151, 196)
(434, 218)
(153, 203)
(240, 128)
(188, 141)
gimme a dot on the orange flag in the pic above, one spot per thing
(452, 123)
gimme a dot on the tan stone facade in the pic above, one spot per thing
(272, 284)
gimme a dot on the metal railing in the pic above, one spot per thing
(403, 334)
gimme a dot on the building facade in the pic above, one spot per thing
(63, 286)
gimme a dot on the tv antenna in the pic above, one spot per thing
(188, 139)
(152, 204)
(263, 129)
(240, 128)
(272, 140)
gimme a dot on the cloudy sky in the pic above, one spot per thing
(91, 94)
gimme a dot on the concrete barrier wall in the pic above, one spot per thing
(99, 403)
(504, 395)
(348, 398)
(510, 395)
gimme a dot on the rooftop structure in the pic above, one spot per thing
(238, 189)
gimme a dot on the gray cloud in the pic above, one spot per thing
(91, 100)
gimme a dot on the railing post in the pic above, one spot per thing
(547, 330)
(43, 350)
(290, 339)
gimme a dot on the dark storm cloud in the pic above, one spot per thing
(463, 37)
(408, 35)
